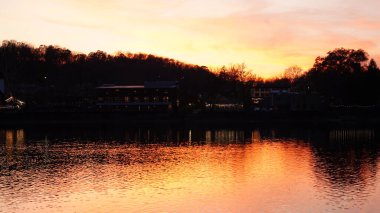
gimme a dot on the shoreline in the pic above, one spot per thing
(202, 119)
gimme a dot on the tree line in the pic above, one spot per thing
(47, 73)
(343, 77)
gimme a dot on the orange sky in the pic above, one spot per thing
(267, 35)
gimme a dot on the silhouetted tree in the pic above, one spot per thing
(343, 77)
(235, 82)
(372, 66)
(292, 73)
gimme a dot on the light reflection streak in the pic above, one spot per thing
(191, 171)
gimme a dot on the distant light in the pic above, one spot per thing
(45, 77)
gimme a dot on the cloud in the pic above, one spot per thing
(268, 35)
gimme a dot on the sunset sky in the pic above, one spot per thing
(267, 35)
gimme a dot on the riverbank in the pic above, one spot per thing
(366, 118)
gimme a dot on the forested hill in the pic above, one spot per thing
(52, 64)
(66, 73)
(343, 77)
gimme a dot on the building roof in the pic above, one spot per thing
(147, 84)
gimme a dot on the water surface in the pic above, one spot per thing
(124, 169)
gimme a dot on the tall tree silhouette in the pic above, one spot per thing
(343, 77)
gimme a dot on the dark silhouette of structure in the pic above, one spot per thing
(269, 97)
(152, 96)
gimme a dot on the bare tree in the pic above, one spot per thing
(236, 72)
(293, 72)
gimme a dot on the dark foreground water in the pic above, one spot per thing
(123, 169)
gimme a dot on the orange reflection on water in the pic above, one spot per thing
(260, 175)
(13, 140)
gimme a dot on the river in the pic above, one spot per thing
(189, 169)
